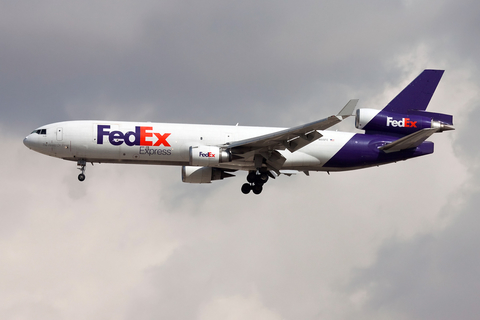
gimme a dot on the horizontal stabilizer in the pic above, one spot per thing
(411, 141)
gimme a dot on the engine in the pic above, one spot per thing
(203, 174)
(389, 122)
(209, 156)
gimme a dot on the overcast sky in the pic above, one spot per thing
(133, 242)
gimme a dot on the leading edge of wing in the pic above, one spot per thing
(293, 138)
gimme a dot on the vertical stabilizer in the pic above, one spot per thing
(406, 114)
(417, 94)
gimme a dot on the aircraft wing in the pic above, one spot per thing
(411, 141)
(294, 138)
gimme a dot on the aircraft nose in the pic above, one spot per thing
(27, 142)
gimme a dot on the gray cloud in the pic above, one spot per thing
(186, 62)
(431, 275)
(135, 242)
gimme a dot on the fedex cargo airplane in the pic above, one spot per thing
(214, 152)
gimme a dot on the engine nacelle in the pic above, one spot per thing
(202, 174)
(209, 156)
(389, 122)
(364, 116)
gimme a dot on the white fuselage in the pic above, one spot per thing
(167, 144)
(212, 152)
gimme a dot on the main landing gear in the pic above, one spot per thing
(256, 180)
(81, 164)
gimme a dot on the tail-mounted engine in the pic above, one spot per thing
(209, 156)
(372, 120)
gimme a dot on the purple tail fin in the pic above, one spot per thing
(406, 114)
(417, 94)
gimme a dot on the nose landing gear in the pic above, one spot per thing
(81, 164)
(256, 180)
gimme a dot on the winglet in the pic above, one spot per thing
(347, 111)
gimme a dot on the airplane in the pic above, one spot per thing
(208, 153)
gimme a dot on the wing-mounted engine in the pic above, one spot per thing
(209, 155)
(192, 174)
(381, 121)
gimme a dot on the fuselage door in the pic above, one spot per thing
(59, 134)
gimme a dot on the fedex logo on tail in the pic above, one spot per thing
(140, 137)
(404, 123)
(206, 154)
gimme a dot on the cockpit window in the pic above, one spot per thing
(40, 131)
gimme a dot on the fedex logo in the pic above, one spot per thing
(206, 154)
(132, 138)
(404, 123)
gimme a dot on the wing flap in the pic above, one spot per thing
(302, 140)
(274, 160)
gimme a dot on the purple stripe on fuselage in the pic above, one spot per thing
(362, 151)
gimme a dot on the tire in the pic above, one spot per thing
(246, 188)
(251, 177)
(81, 177)
(257, 189)
(264, 177)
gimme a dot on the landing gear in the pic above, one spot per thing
(256, 180)
(252, 176)
(257, 188)
(81, 164)
(246, 187)
(263, 177)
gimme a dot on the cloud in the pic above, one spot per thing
(430, 275)
(241, 62)
(135, 242)
(237, 307)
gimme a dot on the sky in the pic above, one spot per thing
(399, 241)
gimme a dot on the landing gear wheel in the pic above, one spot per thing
(246, 187)
(256, 179)
(81, 164)
(263, 177)
(252, 176)
(257, 188)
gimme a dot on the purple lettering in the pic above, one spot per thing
(116, 138)
(136, 135)
(101, 132)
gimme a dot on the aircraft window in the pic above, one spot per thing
(40, 131)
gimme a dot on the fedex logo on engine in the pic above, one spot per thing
(140, 137)
(206, 154)
(404, 123)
